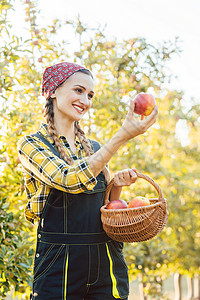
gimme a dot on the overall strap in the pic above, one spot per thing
(95, 145)
(39, 135)
(47, 143)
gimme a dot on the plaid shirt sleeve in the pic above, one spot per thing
(51, 170)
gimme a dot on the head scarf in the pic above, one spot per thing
(55, 75)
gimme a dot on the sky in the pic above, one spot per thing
(155, 20)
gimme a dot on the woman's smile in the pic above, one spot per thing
(78, 108)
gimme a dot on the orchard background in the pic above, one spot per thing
(121, 70)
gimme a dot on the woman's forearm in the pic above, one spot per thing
(99, 159)
(115, 193)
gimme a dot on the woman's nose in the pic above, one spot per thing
(84, 99)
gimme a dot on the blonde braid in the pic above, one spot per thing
(82, 138)
(87, 147)
(52, 131)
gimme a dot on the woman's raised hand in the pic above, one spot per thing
(129, 129)
(132, 127)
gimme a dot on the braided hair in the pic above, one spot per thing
(77, 130)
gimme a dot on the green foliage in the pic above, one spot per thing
(16, 253)
(121, 70)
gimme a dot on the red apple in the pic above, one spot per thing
(11, 226)
(36, 42)
(138, 201)
(144, 104)
(133, 77)
(116, 204)
(36, 31)
(18, 161)
(3, 159)
(22, 187)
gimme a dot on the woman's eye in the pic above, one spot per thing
(90, 96)
(79, 90)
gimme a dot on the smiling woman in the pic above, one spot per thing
(66, 179)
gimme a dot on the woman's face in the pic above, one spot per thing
(73, 98)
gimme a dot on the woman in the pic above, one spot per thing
(66, 177)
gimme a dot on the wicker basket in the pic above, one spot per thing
(135, 224)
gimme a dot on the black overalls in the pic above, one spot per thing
(74, 258)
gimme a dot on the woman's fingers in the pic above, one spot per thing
(118, 179)
(131, 108)
(151, 119)
(133, 175)
(125, 177)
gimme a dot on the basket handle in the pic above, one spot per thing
(139, 175)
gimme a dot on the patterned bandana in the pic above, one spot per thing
(55, 75)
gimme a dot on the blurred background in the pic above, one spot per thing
(130, 47)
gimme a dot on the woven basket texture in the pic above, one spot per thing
(135, 224)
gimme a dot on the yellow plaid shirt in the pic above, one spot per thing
(44, 171)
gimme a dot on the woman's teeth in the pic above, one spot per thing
(79, 108)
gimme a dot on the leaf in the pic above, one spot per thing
(5, 205)
(24, 265)
(4, 233)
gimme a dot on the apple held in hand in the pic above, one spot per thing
(144, 104)
(138, 201)
(116, 204)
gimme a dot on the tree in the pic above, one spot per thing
(21, 111)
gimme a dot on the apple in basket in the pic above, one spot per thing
(138, 202)
(144, 104)
(116, 204)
